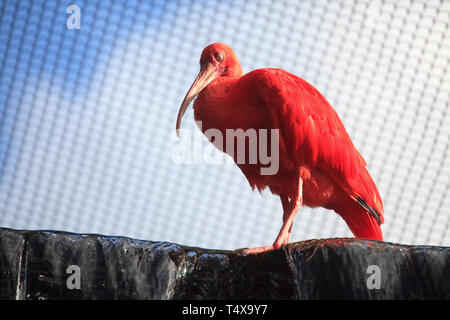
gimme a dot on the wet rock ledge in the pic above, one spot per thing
(61, 265)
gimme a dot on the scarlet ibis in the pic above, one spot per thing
(318, 164)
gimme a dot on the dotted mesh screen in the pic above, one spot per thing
(87, 115)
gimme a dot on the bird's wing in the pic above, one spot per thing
(309, 124)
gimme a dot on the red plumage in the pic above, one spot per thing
(318, 163)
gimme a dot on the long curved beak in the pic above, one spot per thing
(207, 74)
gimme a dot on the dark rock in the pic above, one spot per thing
(36, 265)
(338, 269)
(12, 245)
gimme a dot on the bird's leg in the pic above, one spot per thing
(286, 210)
(288, 219)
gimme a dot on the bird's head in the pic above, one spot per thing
(217, 60)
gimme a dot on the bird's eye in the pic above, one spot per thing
(219, 57)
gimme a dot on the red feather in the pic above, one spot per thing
(314, 132)
(313, 142)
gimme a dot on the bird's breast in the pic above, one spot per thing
(223, 108)
(243, 121)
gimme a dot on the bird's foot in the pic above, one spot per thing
(283, 238)
(261, 249)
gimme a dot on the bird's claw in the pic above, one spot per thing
(261, 249)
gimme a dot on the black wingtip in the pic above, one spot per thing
(369, 209)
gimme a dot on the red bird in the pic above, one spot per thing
(318, 164)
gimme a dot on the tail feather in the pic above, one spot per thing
(365, 193)
(369, 209)
(363, 223)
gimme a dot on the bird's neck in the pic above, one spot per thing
(219, 87)
(213, 102)
(233, 71)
